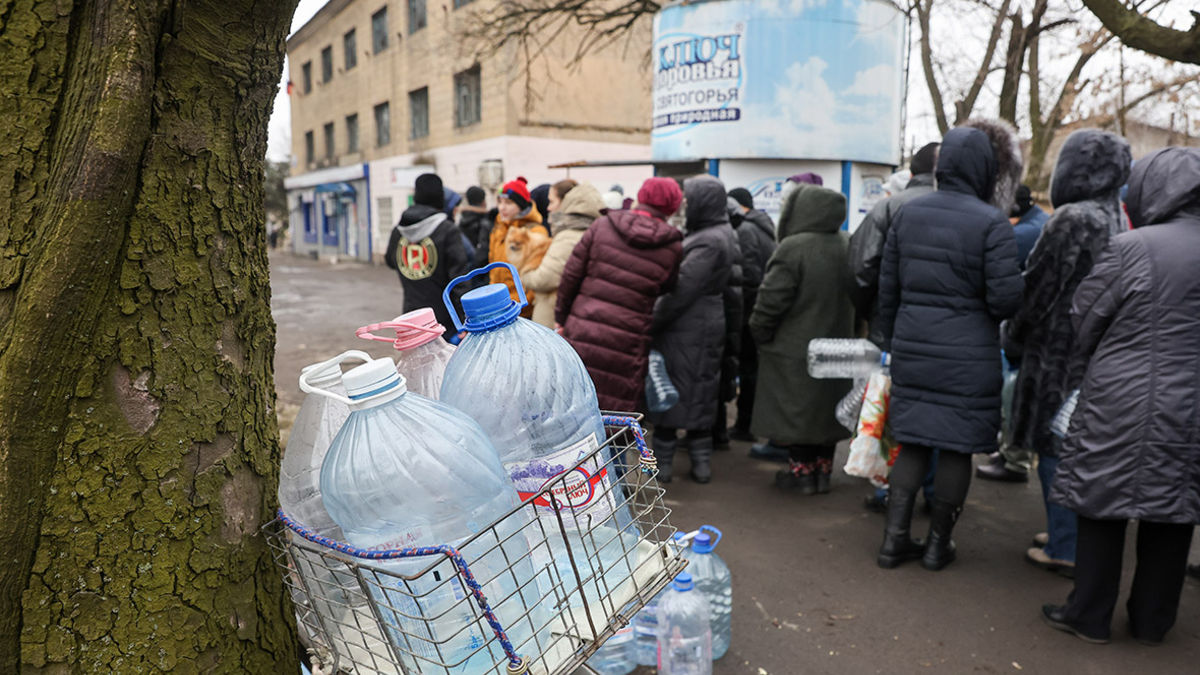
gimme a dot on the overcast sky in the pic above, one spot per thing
(279, 139)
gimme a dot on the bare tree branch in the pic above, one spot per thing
(923, 8)
(964, 107)
(1137, 30)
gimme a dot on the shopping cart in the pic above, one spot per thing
(453, 609)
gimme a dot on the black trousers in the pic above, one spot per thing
(950, 482)
(748, 375)
(1162, 553)
(807, 454)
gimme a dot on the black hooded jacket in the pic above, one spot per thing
(949, 276)
(426, 250)
(1133, 449)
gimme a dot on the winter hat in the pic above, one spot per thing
(617, 189)
(540, 196)
(661, 194)
(475, 195)
(518, 191)
(428, 191)
(451, 199)
(925, 159)
(742, 196)
(810, 178)
(613, 200)
(1024, 201)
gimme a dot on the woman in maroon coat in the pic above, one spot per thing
(606, 298)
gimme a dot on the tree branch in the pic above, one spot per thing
(1140, 32)
(923, 8)
(965, 106)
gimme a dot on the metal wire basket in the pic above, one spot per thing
(537, 591)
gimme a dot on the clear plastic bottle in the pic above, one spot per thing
(422, 354)
(616, 655)
(712, 578)
(850, 407)
(685, 633)
(532, 395)
(661, 394)
(645, 624)
(839, 358)
(407, 471)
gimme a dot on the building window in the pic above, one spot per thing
(306, 69)
(383, 124)
(467, 97)
(329, 149)
(379, 31)
(351, 50)
(309, 150)
(383, 206)
(352, 133)
(416, 15)
(327, 64)
(418, 111)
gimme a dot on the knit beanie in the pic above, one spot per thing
(1024, 201)
(518, 191)
(428, 191)
(661, 194)
(809, 178)
(540, 196)
(475, 195)
(742, 196)
(925, 159)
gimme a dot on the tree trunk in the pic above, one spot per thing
(1141, 32)
(138, 448)
(1014, 61)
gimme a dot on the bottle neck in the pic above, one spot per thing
(375, 399)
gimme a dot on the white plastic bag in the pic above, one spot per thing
(868, 454)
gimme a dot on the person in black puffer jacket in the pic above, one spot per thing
(426, 249)
(949, 277)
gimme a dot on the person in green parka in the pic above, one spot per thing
(805, 294)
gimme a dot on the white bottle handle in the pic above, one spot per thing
(335, 361)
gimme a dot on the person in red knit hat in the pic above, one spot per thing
(515, 210)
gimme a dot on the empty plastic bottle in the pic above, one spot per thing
(616, 655)
(712, 578)
(850, 407)
(1060, 425)
(645, 623)
(422, 354)
(406, 471)
(839, 358)
(531, 393)
(684, 631)
(661, 394)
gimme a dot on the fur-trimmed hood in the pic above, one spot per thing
(1164, 184)
(1092, 164)
(1006, 150)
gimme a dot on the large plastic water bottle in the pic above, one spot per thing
(839, 358)
(661, 394)
(422, 354)
(645, 624)
(406, 471)
(531, 393)
(616, 656)
(712, 578)
(684, 631)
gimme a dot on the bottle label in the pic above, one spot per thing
(583, 489)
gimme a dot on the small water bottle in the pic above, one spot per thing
(645, 623)
(661, 394)
(422, 353)
(840, 358)
(616, 655)
(850, 407)
(712, 578)
(684, 630)
(1060, 425)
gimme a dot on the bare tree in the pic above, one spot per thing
(1134, 28)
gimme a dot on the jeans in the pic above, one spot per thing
(1061, 523)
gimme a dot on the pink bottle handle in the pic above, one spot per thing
(368, 332)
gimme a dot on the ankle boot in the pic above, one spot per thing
(824, 475)
(798, 476)
(664, 455)
(939, 548)
(701, 453)
(898, 545)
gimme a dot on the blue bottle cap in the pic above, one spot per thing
(683, 582)
(703, 543)
(489, 307)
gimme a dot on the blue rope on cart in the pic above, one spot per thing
(639, 439)
(515, 662)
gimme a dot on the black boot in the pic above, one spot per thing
(798, 476)
(824, 475)
(664, 455)
(701, 453)
(898, 545)
(939, 548)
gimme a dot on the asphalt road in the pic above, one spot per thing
(808, 597)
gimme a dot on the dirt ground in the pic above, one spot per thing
(808, 597)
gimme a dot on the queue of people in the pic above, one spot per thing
(959, 276)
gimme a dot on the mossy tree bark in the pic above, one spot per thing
(138, 448)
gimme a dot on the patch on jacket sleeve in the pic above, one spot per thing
(417, 261)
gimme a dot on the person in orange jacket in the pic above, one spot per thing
(515, 210)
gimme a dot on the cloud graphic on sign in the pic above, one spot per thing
(877, 80)
(788, 7)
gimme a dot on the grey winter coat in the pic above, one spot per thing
(691, 322)
(866, 250)
(1092, 166)
(756, 239)
(1133, 449)
(805, 295)
(949, 276)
